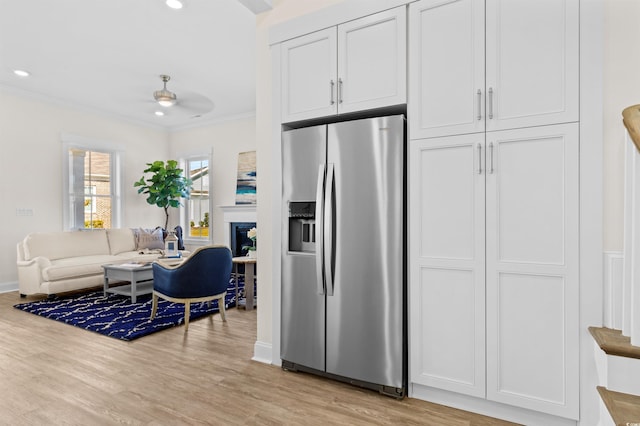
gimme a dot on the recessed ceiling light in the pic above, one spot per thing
(21, 73)
(174, 4)
(159, 113)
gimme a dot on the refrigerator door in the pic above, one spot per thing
(303, 305)
(365, 315)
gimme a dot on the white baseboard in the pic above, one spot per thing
(486, 407)
(612, 291)
(9, 286)
(263, 352)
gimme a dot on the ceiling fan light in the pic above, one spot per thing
(165, 98)
(167, 102)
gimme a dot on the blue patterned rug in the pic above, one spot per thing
(115, 316)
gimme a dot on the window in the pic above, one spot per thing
(198, 205)
(90, 188)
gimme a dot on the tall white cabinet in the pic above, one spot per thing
(354, 66)
(494, 201)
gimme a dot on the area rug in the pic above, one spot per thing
(115, 316)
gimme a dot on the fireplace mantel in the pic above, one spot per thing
(237, 213)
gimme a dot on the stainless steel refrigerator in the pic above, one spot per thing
(343, 253)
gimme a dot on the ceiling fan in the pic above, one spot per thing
(189, 102)
(164, 97)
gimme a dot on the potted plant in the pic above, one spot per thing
(165, 186)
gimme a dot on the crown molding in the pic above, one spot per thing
(77, 106)
(200, 122)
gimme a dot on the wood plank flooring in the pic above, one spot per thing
(52, 374)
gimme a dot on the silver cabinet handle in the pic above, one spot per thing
(491, 157)
(490, 103)
(332, 84)
(479, 158)
(320, 231)
(479, 104)
(339, 90)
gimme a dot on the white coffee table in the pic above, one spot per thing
(140, 278)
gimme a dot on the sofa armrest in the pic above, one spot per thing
(30, 274)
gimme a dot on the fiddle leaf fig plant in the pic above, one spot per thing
(165, 185)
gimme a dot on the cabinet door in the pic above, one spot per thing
(532, 268)
(372, 61)
(446, 263)
(309, 76)
(532, 63)
(446, 67)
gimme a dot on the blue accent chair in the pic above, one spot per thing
(202, 277)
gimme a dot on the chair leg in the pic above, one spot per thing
(187, 314)
(221, 306)
(154, 306)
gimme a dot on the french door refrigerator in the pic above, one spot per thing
(343, 253)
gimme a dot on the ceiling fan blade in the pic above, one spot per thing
(195, 103)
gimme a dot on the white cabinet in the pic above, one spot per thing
(528, 48)
(355, 66)
(447, 258)
(494, 219)
(532, 288)
(309, 66)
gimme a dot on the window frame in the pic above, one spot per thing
(117, 157)
(184, 210)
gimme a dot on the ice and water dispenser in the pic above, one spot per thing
(302, 226)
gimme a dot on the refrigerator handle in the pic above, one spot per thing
(328, 229)
(320, 231)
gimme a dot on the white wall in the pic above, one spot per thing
(226, 139)
(621, 89)
(31, 167)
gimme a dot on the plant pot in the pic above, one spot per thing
(253, 254)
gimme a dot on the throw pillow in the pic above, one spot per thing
(149, 239)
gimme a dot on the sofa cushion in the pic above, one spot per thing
(74, 267)
(59, 245)
(149, 238)
(121, 240)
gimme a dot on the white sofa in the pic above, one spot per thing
(56, 262)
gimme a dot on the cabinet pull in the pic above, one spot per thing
(479, 159)
(490, 103)
(479, 104)
(339, 90)
(331, 86)
(491, 157)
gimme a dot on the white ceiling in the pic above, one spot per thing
(107, 55)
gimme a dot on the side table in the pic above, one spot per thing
(249, 274)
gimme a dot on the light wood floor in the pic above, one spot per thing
(52, 373)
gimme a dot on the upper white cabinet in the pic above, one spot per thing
(309, 65)
(446, 68)
(355, 66)
(528, 48)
